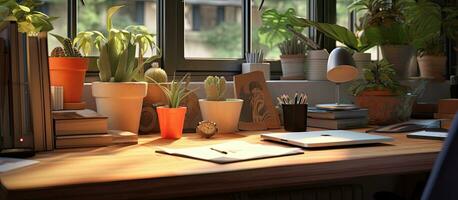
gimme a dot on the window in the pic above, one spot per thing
(54, 8)
(213, 29)
(281, 5)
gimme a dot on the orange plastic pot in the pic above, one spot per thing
(70, 74)
(171, 121)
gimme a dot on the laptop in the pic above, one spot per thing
(328, 138)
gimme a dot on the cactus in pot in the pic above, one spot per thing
(215, 88)
(67, 68)
(216, 103)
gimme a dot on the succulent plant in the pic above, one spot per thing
(255, 57)
(67, 47)
(215, 88)
(155, 75)
(176, 91)
(292, 46)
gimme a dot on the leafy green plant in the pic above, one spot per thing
(379, 75)
(338, 33)
(292, 46)
(274, 26)
(215, 88)
(67, 49)
(378, 12)
(117, 60)
(176, 91)
(24, 13)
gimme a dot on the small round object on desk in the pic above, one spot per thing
(207, 129)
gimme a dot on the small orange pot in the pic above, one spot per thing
(171, 121)
(69, 73)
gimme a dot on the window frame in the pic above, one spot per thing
(170, 38)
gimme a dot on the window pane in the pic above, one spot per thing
(213, 28)
(92, 15)
(342, 15)
(281, 5)
(56, 8)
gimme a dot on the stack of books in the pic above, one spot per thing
(446, 110)
(81, 128)
(345, 119)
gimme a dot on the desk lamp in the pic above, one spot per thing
(341, 69)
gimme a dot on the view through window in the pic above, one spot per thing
(213, 29)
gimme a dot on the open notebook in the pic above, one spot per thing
(232, 152)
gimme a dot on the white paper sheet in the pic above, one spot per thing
(232, 152)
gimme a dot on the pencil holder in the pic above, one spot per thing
(295, 117)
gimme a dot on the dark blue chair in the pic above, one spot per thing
(443, 180)
(442, 183)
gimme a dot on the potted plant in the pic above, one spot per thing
(117, 95)
(171, 117)
(292, 58)
(67, 68)
(255, 62)
(431, 50)
(381, 93)
(274, 31)
(386, 24)
(216, 108)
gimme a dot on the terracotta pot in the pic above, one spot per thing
(292, 65)
(69, 73)
(227, 122)
(384, 107)
(121, 103)
(432, 66)
(403, 58)
(171, 121)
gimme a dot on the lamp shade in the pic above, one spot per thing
(341, 66)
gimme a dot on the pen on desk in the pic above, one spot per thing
(223, 152)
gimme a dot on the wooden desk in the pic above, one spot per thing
(136, 171)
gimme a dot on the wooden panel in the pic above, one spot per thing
(134, 172)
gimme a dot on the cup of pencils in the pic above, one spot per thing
(294, 112)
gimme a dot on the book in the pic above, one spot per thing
(123, 137)
(79, 122)
(77, 141)
(337, 123)
(447, 106)
(344, 114)
(230, 152)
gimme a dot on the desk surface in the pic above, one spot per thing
(136, 171)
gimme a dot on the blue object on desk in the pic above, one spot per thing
(443, 180)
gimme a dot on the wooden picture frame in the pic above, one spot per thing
(258, 110)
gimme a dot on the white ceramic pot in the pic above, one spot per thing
(251, 67)
(292, 66)
(225, 114)
(121, 103)
(361, 60)
(432, 66)
(316, 65)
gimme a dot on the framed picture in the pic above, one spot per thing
(258, 110)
